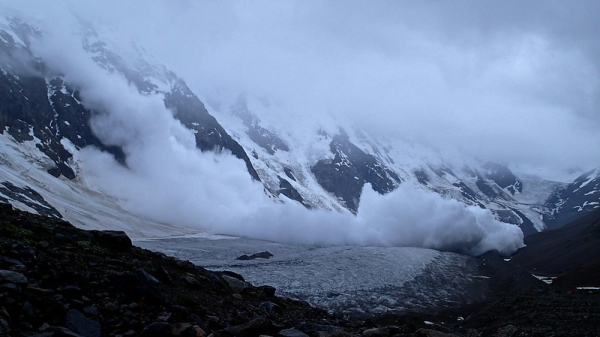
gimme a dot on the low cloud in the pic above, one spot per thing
(511, 82)
(168, 180)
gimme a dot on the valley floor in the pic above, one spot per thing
(56, 280)
(348, 280)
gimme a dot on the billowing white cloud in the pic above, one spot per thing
(505, 81)
(167, 179)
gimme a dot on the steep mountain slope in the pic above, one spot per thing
(329, 167)
(323, 167)
(44, 125)
(555, 252)
(574, 200)
(37, 104)
(36, 108)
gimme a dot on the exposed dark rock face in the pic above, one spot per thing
(26, 112)
(489, 189)
(345, 175)
(49, 111)
(35, 104)
(288, 172)
(210, 135)
(485, 187)
(575, 200)
(468, 193)
(186, 106)
(264, 138)
(286, 188)
(502, 176)
(422, 176)
(525, 224)
(28, 197)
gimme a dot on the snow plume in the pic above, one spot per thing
(167, 179)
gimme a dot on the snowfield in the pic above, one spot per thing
(82, 205)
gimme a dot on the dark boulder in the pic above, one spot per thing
(158, 329)
(117, 240)
(78, 323)
(270, 308)
(268, 290)
(261, 255)
(8, 276)
(292, 332)
(255, 327)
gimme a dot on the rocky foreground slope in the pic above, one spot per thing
(56, 280)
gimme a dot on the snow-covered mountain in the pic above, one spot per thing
(45, 124)
(574, 200)
(331, 168)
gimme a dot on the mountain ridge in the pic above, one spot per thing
(328, 172)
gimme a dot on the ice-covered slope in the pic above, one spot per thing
(27, 185)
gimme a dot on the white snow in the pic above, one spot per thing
(585, 183)
(5, 25)
(307, 148)
(24, 165)
(535, 190)
(546, 279)
(594, 204)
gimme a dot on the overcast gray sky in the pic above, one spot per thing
(511, 81)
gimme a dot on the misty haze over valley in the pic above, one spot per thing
(342, 134)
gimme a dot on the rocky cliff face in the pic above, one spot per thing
(350, 169)
(329, 169)
(48, 112)
(36, 105)
(574, 200)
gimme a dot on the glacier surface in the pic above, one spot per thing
(351, 280)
